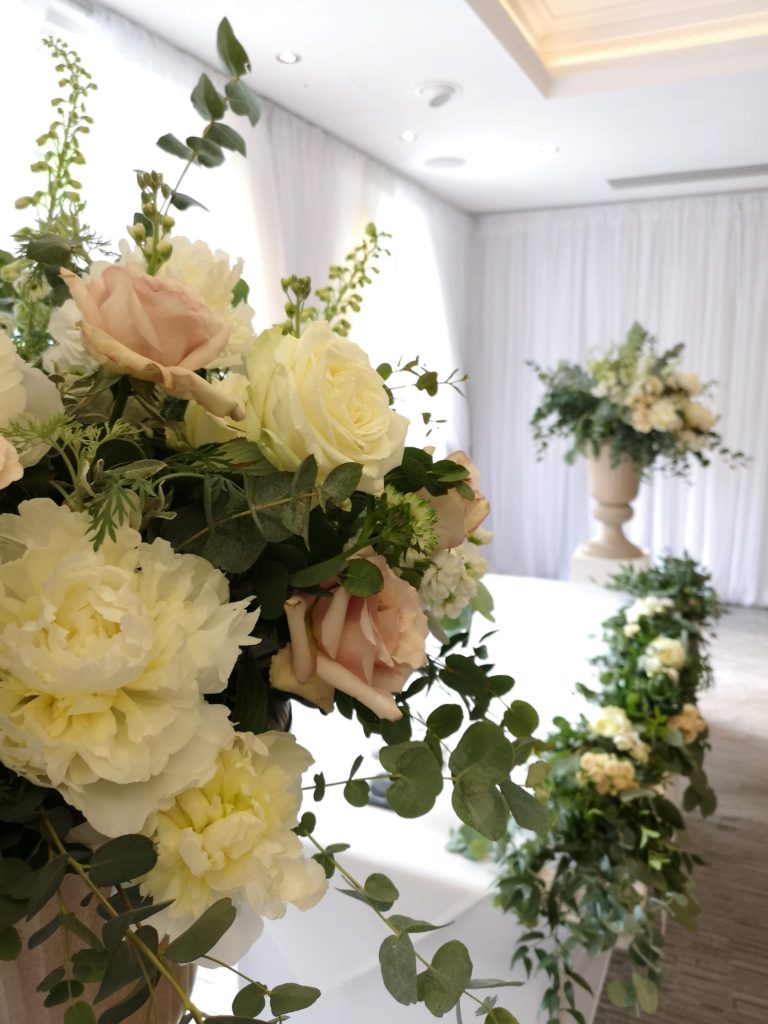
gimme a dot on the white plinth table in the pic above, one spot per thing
(547, 632)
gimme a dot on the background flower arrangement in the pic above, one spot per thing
(197, 525)
(635, 399)
(611, 861)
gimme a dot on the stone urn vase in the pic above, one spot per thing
(614, 488)
(21, 1003)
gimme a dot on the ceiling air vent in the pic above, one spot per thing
(690, 177)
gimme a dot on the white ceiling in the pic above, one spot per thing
(362, 59)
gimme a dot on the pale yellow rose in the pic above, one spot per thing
(664, 416)
(152, 328)
(689, 382)
(366, 647)
(689, 722)
(318, 395)
(699, 416)
(664, 655)
(202, 427)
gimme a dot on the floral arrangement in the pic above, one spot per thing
(635, 399)
(198, 525)
(611, 862)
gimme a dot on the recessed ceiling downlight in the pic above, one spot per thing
(437, 94)
(288, 57)
(408, 135)
(445, 163)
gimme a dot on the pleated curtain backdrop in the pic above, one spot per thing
(558, 284)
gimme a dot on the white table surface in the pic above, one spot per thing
(547, 630)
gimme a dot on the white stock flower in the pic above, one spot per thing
(104, 660)
(664, 416)
(232, 837)
(664, 655)
(319, 395)
(25, 394)
(450, 583)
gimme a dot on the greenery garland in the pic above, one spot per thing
(612, 862)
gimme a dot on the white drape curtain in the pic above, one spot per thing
(297, 204)
(557, 284)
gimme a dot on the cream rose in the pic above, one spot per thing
(233, 837)
(364, 646)
(152, 328)
(699, 416)
(458, 517)
(664, 655)
(105, 658)
(318, 395)
(689, 722)
(10, 467)
(690, 382)
(610, 775)
(25, 394)
(664, 416)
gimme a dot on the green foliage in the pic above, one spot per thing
(609, 864)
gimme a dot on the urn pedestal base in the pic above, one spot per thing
(589, 568)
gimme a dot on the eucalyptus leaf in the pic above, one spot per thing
(122, 859)
(170, 144)
(207, 100)
(227, 137)
(231, 50)
(243, 100)
(249, 1001)
(203, 935)
(10, 943)
(444, 981)
(289, 998)
(397, 959)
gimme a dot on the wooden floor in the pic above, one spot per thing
(720, 975)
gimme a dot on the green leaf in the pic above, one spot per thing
(493, 983)
(183, 202)
(16, 877)
(115, 928)
(341, 482)
(79, 1013)
(249, 1001)
(230, 49)
(46, 883)
(412, 924)
(498, 1015)
(225, 136)
(207, 153)
(170, 144)
(416, 778)
(442, 984)
(63, 992)
(207, 100)
(362, 578)
(356, 792)
(318, 573)
(89, 965)
(243, 100)
(381, 890)
(479, 804)
(520, 718)
(10, 943)
(289, 998)
(445, 720)
(397, 959)
(537, 773)
(203, 935)
(525, 808)
(620, 992)
(483, 752)
(122, 859)
(646, 991)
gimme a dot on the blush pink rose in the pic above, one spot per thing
(153, 328)
(458, 517)
(366, 647)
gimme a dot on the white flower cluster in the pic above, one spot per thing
(609, 774)
(233, 837)
(645, 608)
(450, 582)
(664, 656)
(614, 723)
(105, 658)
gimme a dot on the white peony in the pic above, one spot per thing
(699, 416)
(233, 837)
(664, 416)
(10, 467)
(25, 394)
(318, 395)
(450, 582)
(68, 355)
(104, 660)
(663, 656)
(202, 427)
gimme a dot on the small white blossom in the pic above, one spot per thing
(450, 583)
